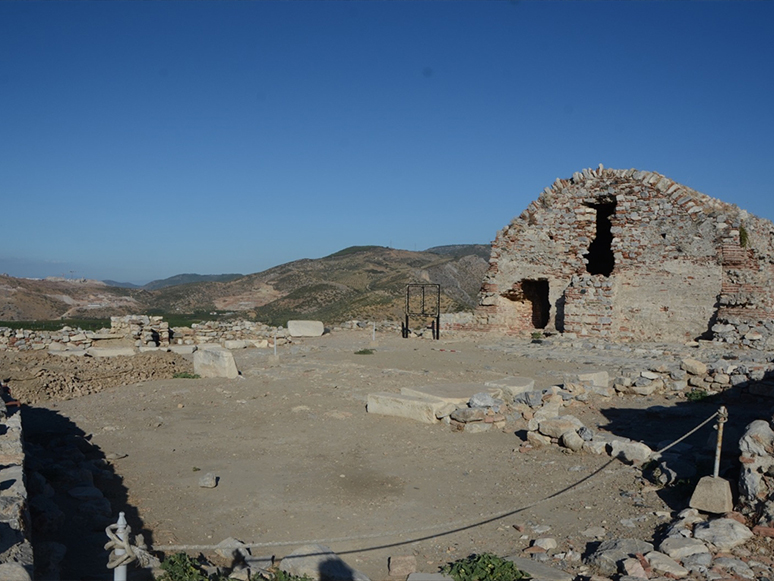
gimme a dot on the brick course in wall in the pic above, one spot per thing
(627, 254)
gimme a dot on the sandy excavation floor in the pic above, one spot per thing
(299, 459)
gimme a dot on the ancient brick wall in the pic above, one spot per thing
(626, 254)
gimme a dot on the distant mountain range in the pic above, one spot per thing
(360, 282)
(175, 280)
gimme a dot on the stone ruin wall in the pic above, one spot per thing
(679, 270)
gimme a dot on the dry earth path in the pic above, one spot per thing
(298, 458)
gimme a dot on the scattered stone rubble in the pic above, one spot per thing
(694, 545)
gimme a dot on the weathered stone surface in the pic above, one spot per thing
(592, 378)
(555, 427)
(712, 495)
(484, 400)
(456, 393)
(209, 480)
(319, 563)
(610, 553)
(572, 441)
(14, 572)
(466, 415)
(680, 547)
(694, 367)
(182, 349)
(664, 564)
(735, 566)
(217, 362)
(512, 385)
(306, 328)
(110, 351)
(629, 451)
(538, 571)
(429, 577)
(724, 533)
(404, 406)
(235, 344)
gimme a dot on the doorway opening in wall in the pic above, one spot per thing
(536, 292)
(600, 258)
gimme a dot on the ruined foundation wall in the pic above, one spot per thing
(667, 278)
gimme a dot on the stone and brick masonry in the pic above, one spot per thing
(631, 255)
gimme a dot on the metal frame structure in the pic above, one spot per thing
(429, 305)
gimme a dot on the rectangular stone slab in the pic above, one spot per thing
(512, 384)
(404, 406)
(456, 393)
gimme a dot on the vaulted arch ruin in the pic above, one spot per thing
(632, 255)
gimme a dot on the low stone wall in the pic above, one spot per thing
(15, 547)
(145, 331)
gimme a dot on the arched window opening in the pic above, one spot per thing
(600, 258)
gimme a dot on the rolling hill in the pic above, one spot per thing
(360, 282)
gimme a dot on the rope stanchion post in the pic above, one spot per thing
(722, 418)
(119, 573)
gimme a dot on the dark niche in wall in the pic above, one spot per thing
(600, 259)
(536, 292)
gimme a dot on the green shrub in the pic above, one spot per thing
(181, 567)
(365, 352)
(696, 395)
(186, 375)
(484, 567)
(744, 237)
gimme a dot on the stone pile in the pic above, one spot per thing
(145, 331)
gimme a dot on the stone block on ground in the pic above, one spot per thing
(182, 349)
(456, 393)
(610, 553)
(512, 385)
(234, 344)
(556, 427)
(110, 351)
(306, 328)
(217, 362)
(664, 564)
(724, 533)
(592, 378)
(712, 495)
(629, 450)
(319, 563)
(404, 406)
(694, 367)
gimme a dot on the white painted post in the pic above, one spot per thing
(275, 343)
(119, 573)
(373, 333)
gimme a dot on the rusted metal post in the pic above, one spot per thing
(722, 417)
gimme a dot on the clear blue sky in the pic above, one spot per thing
(139, 140)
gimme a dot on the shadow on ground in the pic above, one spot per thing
(74, 493)
(680, 467)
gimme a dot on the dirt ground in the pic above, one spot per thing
(298, 459)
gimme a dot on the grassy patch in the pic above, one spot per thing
(365, 352)
(186, 375)
(484, 567)
(696, 395)
(181, 567)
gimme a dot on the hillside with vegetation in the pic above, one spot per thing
(360, 282)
